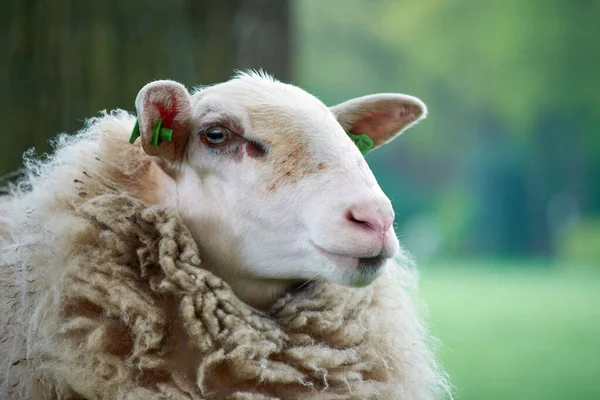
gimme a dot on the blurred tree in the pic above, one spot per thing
(63, 60)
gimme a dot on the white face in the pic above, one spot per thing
(276, 193)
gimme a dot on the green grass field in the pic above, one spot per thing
(516, 332)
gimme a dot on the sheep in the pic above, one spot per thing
(239, 248)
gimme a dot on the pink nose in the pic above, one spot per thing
(377, 221)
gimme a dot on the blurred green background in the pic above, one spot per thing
(497, 192)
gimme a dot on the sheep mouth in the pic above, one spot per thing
(368, 270)
(370, 265)
(365, 264)
(355, 272)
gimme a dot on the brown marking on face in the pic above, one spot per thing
(291, 159)
(288, 147)
(237, 151)
(254, 150)
(242, 146)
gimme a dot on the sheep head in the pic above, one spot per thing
(270, 184)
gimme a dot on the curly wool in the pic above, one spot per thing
(106, 298)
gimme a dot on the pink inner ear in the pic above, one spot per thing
(168, 114)
(383, 125)
(374, 124)
(167, 108)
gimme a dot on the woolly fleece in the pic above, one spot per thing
(104, 297)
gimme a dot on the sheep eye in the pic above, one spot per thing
(217, 135)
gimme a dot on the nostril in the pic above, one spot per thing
(369, 219)
(352, 218)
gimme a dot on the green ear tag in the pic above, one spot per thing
(159, 134)
(136, 132)
(362, 141)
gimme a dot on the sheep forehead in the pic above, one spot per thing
(255, 93)
(284, 117)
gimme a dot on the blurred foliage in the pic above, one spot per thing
(514, 111)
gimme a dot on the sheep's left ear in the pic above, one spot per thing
(382, 117)
(164, 114)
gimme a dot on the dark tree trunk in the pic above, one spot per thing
(64, 60)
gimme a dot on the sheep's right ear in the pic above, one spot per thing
(381, 117)
(167, 105)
